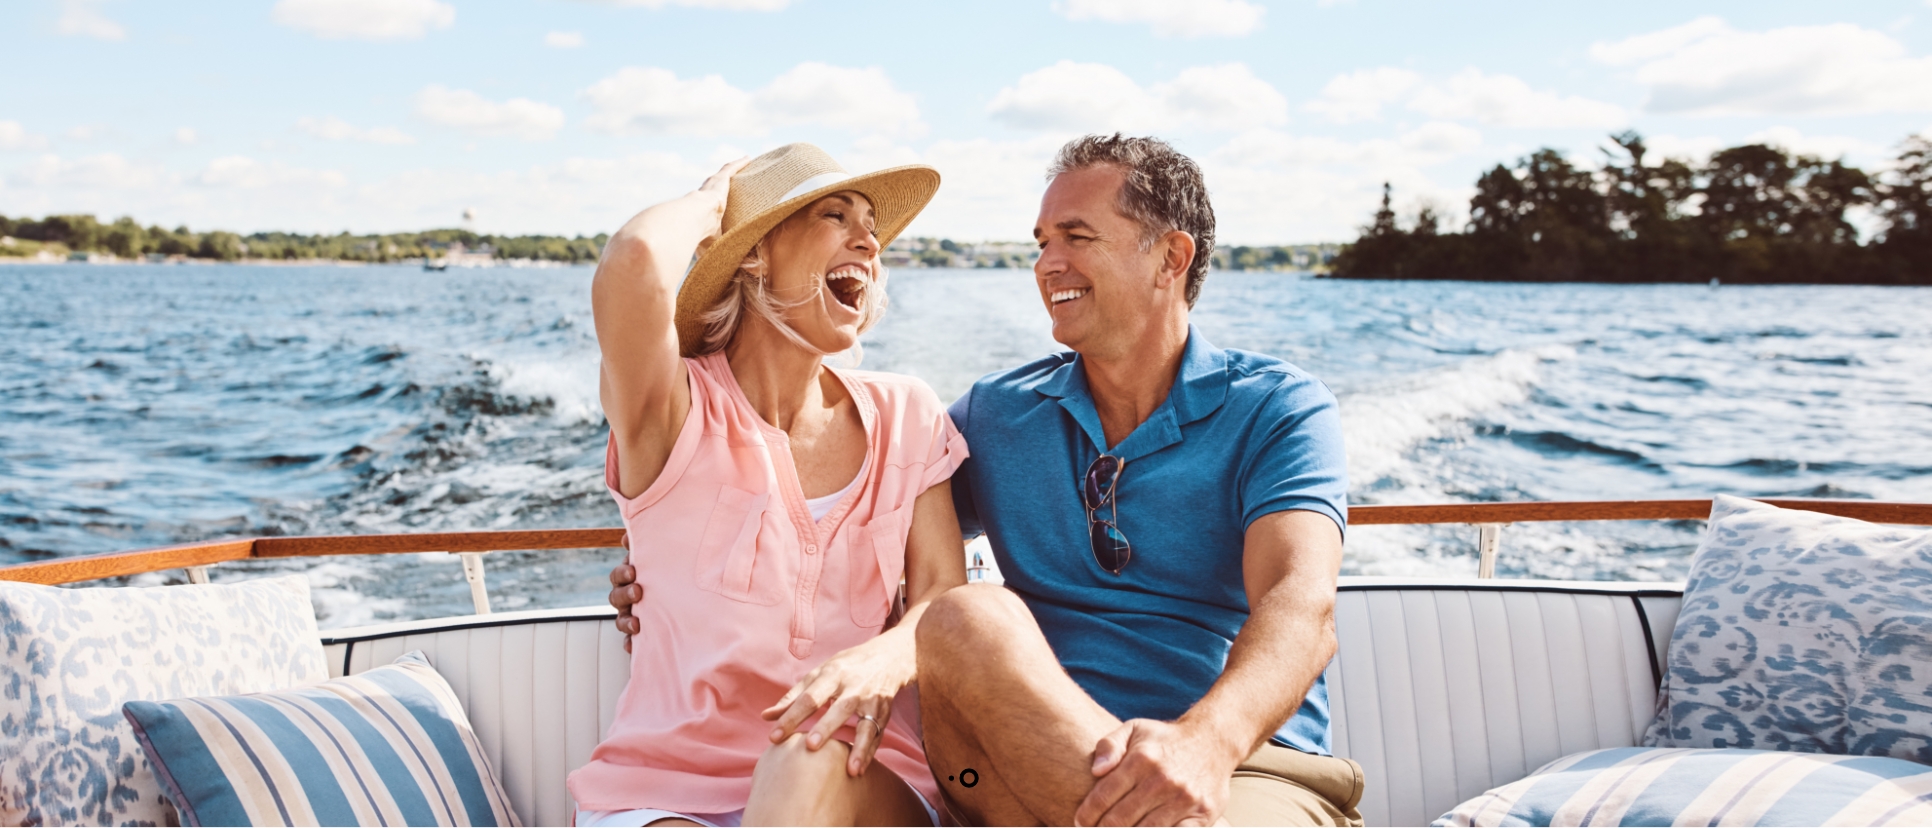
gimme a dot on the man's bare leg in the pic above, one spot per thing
(993, 698)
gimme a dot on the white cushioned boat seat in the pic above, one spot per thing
(1443, 690)
(540, 688)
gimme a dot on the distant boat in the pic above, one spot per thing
(436, 264)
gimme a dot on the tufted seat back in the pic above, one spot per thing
(1441, 690)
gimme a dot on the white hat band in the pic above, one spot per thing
(813, 183)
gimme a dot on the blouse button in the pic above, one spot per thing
(811, 549)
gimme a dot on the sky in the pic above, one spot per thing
(568, 116)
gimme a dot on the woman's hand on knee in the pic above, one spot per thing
(860, 682)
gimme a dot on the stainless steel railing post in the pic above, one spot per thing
(1489, 541)
(473, 572)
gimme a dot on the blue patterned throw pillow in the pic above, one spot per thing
(1676, 786)
(390, 746)
(69, 658)
(1804, 632)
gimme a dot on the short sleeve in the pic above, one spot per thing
(946, 448)
(947, 452)
(969, 525)
(1297, 459)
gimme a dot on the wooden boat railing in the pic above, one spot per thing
(1489, 518)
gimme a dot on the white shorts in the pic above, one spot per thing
(638, 817)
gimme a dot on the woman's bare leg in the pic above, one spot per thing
(794, 785)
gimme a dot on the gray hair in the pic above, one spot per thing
(750, 293)
(1163, 191)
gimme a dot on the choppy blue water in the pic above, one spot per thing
(146, 405)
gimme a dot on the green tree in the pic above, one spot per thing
(221, 245)
(124, 238)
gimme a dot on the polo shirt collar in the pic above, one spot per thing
(1200, 387)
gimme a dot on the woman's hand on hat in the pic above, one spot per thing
(716, 190)
(719, 183)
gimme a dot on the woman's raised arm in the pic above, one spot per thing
(634, 299)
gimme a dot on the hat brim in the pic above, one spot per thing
(898, 194)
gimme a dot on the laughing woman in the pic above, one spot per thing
(772, 503)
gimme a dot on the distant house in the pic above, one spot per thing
(459, 255)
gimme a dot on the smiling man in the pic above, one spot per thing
(1168, 516)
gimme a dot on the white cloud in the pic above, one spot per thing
(1426, 145)
(1693, 148)
(563, 40)
(518, 117)
(79, 133)
(1505, 100)
(336, 129)
(653, 100)
(247, 194)
(241, 172)
(1359, 96)
(14, 136)
(992, 187)
(1469, 95)
(107, 171)
(1697, 149)
(574, 195)
(1323, 188)
(724, 5)
(1073, 96)
(1171, 18)
(79, 18)
(1705, 67)
(186, 135)
(862, 100)
(1227, 96)
(1828, 147)
(365, 19)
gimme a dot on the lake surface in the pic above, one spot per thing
(147, 405)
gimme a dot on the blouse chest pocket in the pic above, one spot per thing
(878, 559)
(728, 561)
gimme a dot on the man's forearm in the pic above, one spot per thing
(1281, 651)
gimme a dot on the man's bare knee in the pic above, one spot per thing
(971, 619)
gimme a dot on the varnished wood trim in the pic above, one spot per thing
(303, 547)
(115, 564)
(1372, 515)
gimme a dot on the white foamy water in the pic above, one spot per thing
(1382, 425)
(180, 403)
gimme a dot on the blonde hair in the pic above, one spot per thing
(748, 292)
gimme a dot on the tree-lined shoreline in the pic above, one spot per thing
(1750, 214)
(125, 238)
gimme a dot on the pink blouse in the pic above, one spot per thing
(744, 593)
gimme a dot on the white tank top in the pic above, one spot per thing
(822, 506)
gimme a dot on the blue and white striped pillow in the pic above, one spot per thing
(1689, 786)
(389, 746)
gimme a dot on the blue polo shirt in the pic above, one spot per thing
(1240, 435)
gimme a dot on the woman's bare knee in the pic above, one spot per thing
(795, 785)
(790, 763)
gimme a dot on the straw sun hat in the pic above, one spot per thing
(767, 191)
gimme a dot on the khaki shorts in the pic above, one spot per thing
(1283, 786)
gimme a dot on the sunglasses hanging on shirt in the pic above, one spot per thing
(1097, 492)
